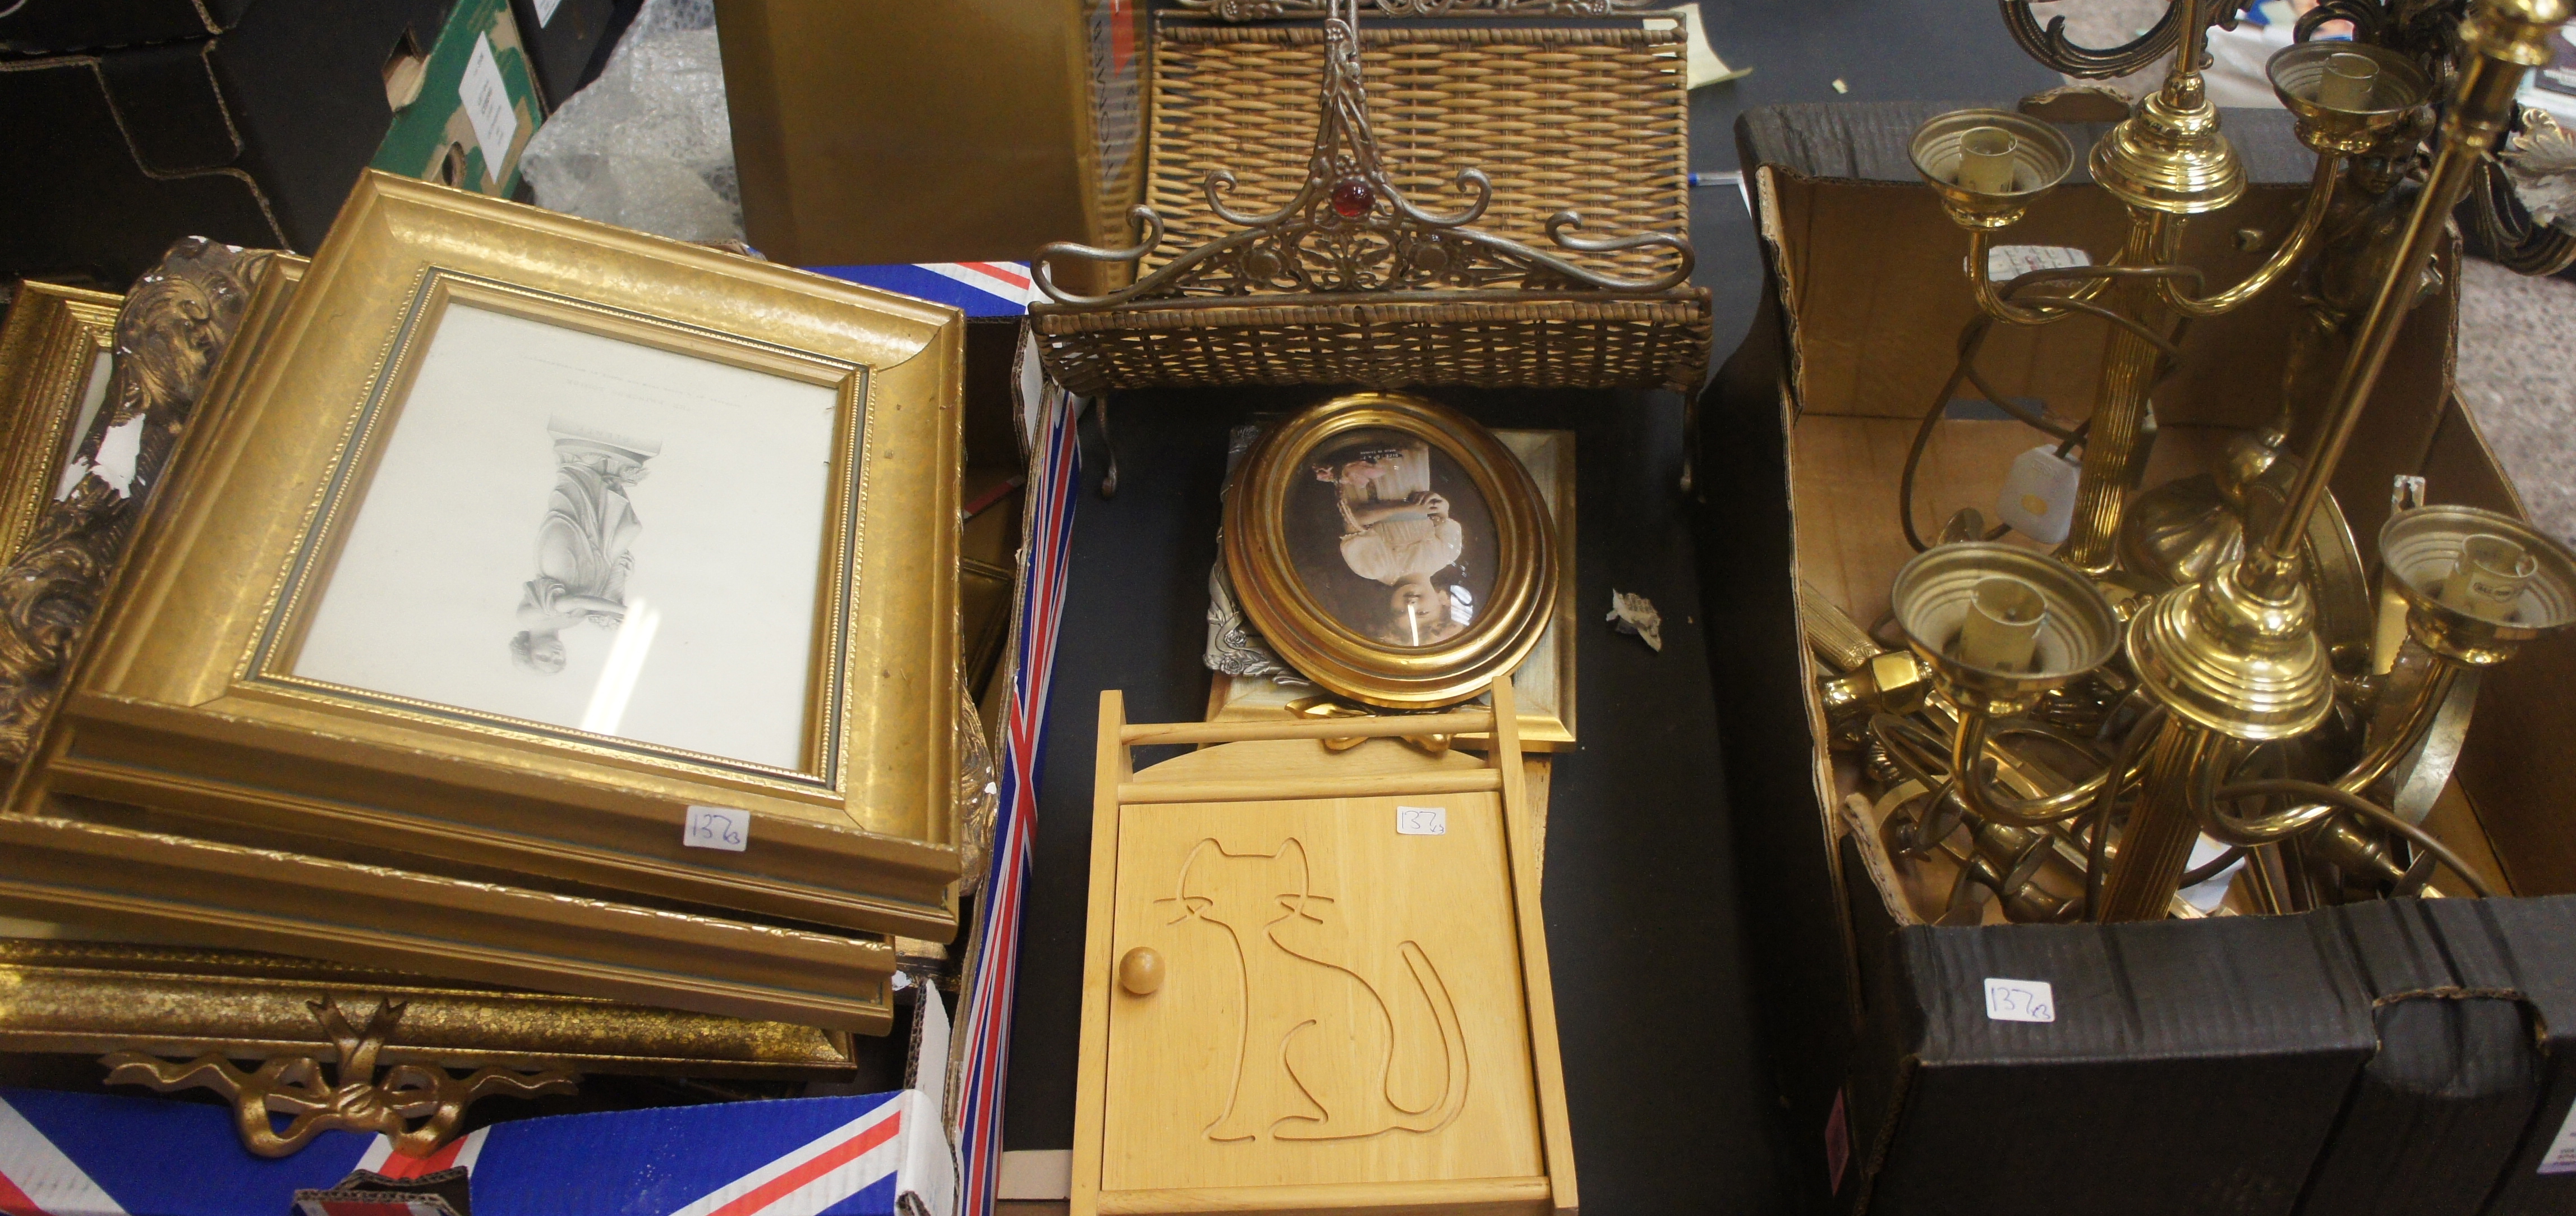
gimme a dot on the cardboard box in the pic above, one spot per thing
(251, 136)
(972, 130)
(2376, 1057)
(474, 108)
(563, 36)
(51, 27)
(71, 1154)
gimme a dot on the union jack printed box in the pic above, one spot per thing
(66, 1154)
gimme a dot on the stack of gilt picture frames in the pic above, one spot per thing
(526, 602)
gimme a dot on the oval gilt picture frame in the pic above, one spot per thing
(1391, 550)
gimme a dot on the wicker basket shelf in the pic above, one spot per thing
(1590, 118)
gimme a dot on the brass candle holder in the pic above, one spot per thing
(1994, 627)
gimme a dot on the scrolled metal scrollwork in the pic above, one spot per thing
(1350, 229)
(2052, 47)
(2535, 177)
(358, 1100)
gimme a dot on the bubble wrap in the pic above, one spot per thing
(647, 145)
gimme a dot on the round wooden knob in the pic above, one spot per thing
(1140, 971)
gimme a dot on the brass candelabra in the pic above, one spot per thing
(2207, 655)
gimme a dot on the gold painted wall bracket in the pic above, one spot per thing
(360, 1098)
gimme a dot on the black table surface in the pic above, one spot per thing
(1673, 1101)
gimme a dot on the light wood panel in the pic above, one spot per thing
(1349, 1016)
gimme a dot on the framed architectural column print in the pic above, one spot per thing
(526, 543)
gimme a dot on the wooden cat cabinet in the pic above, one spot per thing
(1317, 981)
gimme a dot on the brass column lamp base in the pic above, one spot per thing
(2155, 850)
(2230, 668)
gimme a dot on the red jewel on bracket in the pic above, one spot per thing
(1353, 198)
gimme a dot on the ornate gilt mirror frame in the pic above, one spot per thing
(56, 349)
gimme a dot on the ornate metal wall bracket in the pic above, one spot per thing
(360, 1100)
(2534, 176)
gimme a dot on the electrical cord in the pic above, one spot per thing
(2318, 791)
(2217, 865)
(1972, 339)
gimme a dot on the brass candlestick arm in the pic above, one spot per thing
(2234, 655)
(2293, 247)
(2264, 829)
(2167, 162)
(1969, 769)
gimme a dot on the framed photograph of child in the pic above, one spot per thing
(1391, 550)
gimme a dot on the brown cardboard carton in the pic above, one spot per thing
(2243, 1064)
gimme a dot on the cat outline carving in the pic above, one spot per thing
(1323, 1067)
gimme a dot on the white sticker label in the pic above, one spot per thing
(2020, 1001)
(487, 107)
(2562, 1151)
(2004, 263)
(1421, 821)
(716, 827)
(546, 12)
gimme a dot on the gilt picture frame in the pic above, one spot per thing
(1391, 550)
(57, 349)
(211, 696)
(1544, 683)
